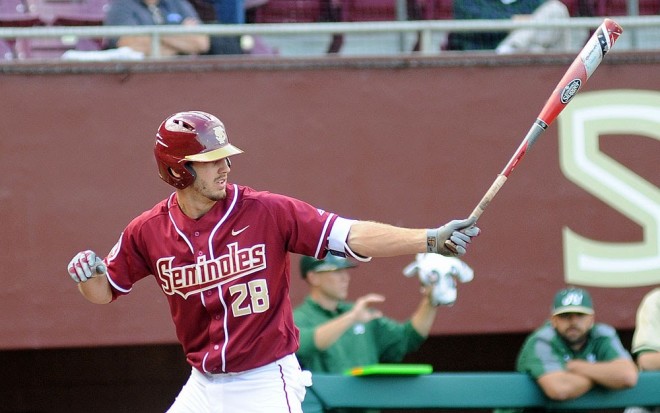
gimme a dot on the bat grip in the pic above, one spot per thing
(479, 209)
(488, 196)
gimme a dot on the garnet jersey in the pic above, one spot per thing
(226, 274)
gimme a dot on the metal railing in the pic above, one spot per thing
(640, 32)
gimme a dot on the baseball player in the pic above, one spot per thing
(219, 252)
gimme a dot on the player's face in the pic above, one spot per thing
(573, 327)
(211, 180)
(334, 284)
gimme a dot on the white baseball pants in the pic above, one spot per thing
(278, 387)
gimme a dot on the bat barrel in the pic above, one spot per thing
(584, 65)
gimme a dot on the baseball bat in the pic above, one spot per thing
(573, 80)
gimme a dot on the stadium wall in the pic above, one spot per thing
(412, 142)
(408, 141)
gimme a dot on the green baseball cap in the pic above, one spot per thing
(329, 263)
(572, 300)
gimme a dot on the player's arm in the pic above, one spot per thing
(615, 374)
(96, 290)
(328, 333)
(92, 283)
(424, 316)
(649, 360)
(564, 385)
(373, 239)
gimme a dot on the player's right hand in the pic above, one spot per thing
(459, 233)
(85, 265)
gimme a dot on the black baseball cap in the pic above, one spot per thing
(329, 263)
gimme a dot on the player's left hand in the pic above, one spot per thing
(85, 265)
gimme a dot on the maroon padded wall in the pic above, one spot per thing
(408, 144)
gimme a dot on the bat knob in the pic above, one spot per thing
(451, 246)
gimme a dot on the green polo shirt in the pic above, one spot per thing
(544, 351)
(382, 340)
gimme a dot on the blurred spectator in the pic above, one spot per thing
(337, 335)
(518, 41)
(152, 12)
(209, 14)
(230, 11)
(570, 354)
(646, 340)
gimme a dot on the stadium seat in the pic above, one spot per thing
(6, 50)
(16, 13)
(63, 13)
(436, 9)
(368, 10)
(70, 12)
(288, 11)
(386, 10)
(620, 7)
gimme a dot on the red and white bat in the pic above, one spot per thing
(575, 77)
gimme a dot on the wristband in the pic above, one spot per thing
(432, 240)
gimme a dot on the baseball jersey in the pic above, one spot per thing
(226, 274)
(380, 340)
(647, 328)
(544, 351)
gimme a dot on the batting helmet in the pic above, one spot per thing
(186, 137)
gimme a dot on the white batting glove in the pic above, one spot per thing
(459, 232)
(441, 274)
(85, 265)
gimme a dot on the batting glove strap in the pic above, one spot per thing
(435, 241)
(432, 240)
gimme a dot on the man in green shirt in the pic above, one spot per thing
(336, 335)
(570, 354)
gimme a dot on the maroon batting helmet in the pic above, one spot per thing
(189, 137)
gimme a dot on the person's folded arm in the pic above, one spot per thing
(564, 385)
(615, 374)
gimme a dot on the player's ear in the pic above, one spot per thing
(177, 175)
(173, 173)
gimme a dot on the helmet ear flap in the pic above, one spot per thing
(183, 178)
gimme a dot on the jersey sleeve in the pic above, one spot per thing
(396, 339)
(537, 356)
(309, 230)
(609, 345)
(306, 228)
(125, 264)
(307, 349)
